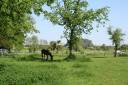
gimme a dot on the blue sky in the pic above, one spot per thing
(118, 17)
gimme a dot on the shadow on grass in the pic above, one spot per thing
(79, 58)
(99, 57)
(34, 57)
(122, 56)
(28, 59)
(38, 58)
(58, 60)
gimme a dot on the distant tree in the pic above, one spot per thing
(43, 44)
(116, 36)
(27, 43)
(76, 18)
(34, 43)
(58, 42)
(58, 45)
(87, 43)
(124, 47)
(104, 48)
(53, 45)
(81, 44)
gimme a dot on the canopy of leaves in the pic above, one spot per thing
(15, 19)
(75, 17)
(73, 14)
(115, 35)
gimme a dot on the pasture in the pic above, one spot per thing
(90, 69)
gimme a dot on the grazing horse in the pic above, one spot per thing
(46, 53)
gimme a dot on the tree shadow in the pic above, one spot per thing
(58, 60)
(99, 57)
(28, 59)
(123, 56)
(38, 58)
(33, 57)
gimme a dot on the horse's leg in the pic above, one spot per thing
(47, 57)
(51, 58)
(44, 57)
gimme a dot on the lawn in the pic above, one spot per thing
(31, 70)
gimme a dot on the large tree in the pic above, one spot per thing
(116, 36)
(16, 21)
(76, 18)
(14, 33)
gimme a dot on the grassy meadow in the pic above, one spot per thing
(88, 69)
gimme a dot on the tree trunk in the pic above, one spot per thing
(71, 43)
(115, 53)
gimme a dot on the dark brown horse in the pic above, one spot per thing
(45, 54)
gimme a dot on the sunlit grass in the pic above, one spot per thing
(88, 69)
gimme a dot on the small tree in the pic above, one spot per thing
(76, 18)
(124, 47)
(87, 43)
(53, 45)
(58, 45)
(34, 43)
(116, 37)
(104, 48)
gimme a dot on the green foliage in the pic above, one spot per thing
(104, 47)
(34, 43)
(14, 33)
(116, 36)
(86, 43)
(75, 17)
(15, 20)
(53, 45)
(56, 45)
(124, 47)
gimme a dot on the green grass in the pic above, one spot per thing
(31, 70)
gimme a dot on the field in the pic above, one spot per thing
(88, 69)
